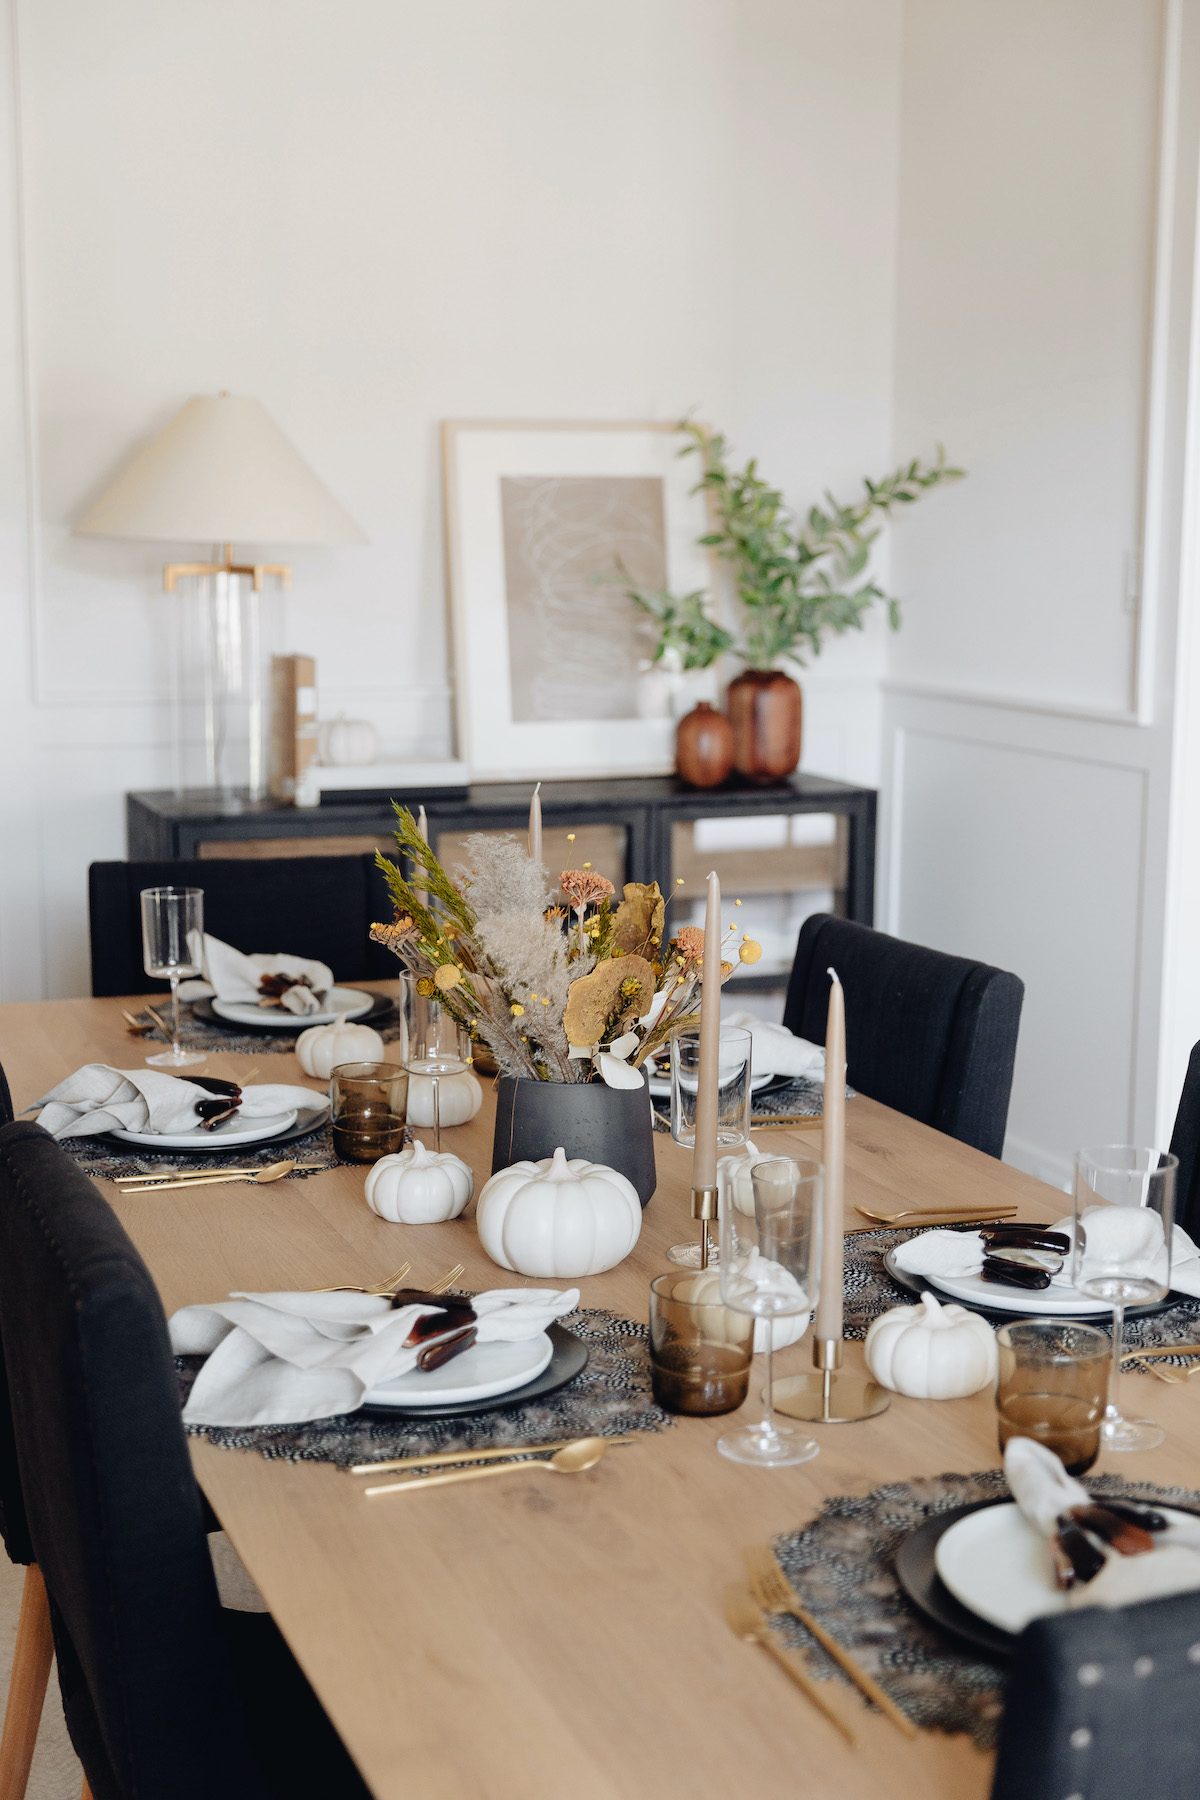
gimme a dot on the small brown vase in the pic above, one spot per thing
(704, 746)
(765, 711)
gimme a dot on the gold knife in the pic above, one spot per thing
(462, 1456)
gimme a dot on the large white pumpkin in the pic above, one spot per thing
(321, 1048)
(459, 1098)
(344, 743)
(932, 1352)
(558, 1217)
(419, 1186)
(704, 1289)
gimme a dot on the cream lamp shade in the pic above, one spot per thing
(221, 472)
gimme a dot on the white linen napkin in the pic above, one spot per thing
(936, 1253)
(1133, 1234)
(276, 1359)
(100, 1098)
(775, 1051)
(231, 976)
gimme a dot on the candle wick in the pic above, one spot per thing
(833, 976)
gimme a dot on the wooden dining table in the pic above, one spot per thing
(541, 1636)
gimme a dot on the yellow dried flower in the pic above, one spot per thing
(516, 1009)
(394, 933)
(726, 970)
(638, 921)
(750, 951)
(447, 977)
(426, 988)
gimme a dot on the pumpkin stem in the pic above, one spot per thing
(932, 1307)
(558, 1170)
(419, 1154)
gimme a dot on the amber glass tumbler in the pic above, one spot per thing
(700, 1350)
(368, 1102)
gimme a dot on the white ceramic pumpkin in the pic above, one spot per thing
(344, 743)
(558, 1217)
(419, 1186)
(704, 1289)
(459, 1098)
(321, 1048)
(733, 1177)
(932, 1352)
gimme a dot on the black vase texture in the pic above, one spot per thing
(588, 1119)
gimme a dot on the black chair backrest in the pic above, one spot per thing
(1185, 1144)
(113, 1508)
(6, 1105)
(933, 1036)
(1105, 1703)
(316, 906)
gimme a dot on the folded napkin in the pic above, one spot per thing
(99, 1098)
(935, 1253)
(775, 1050)
(231, 976)
(276, 1359)
(1132, 1236)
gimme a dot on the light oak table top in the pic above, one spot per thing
(537, 1637)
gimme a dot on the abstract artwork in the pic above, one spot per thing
(546, 525)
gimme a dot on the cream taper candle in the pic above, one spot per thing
(828, 1320)
(535, 825)
(704, 1155)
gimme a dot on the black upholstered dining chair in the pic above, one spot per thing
(316, 906)
(6, 1105)
(165, 1693)
(1105, 1704)
(1185, 1144)
(933, 1036)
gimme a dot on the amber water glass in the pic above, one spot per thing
(368, 1103)
(700, 1351)
(1053, 1387)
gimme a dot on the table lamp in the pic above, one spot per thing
(221, 473)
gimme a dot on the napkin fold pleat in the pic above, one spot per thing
(100, 1098)
(284, 1358)
(232, 975)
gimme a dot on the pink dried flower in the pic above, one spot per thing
(583, 887)
(690, 943)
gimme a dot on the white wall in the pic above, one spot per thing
(374, 216)
(1047, 213)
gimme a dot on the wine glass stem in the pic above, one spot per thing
(437, 1116)
(175, 1015)
(768, 1424)
(1113, 1410)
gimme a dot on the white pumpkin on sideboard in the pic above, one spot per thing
(558, 1217)
(321, 1048)
(459, 1098)
(932, 1352)
(419, 1186)
(344, 743)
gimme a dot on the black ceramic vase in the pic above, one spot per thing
(587, 1118)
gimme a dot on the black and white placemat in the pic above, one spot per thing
(842, 1566)
(802, 1098)
(609, 1398)
(99, 1156)
(198, 1034)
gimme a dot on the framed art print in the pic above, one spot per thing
(541, 519)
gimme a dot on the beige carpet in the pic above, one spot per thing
(56, 1773)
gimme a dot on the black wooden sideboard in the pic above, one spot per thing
(805, 843)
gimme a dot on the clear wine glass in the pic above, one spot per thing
(733, 1103)
(173, 948)
(434, 1043)
(1124, 1215)
(770, 1267)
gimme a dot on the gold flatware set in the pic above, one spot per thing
(391, 1283)
(1175, 1377)
(970, 1215)
(749, 1623)
(576, 1455)
(185, 1178)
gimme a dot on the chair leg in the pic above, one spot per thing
(32, 1657)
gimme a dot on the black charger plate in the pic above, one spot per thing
(306, 1123)
(1004, 1315)
(382, 1012)
(569, 1360)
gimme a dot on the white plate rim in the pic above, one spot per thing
(244, 1012)
(1050, 1302)
(198, 1138)
(1008, 1582)
(392, 1395)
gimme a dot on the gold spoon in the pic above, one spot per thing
(273, 1172)
(961, 1215)
(583, 1454)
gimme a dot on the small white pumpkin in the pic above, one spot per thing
(321, 1048)
(733, 1177)
(558, 1217)
(344, 743)
(459, 1098)
(419, 1186)
(932, 1352)
(704, 1289)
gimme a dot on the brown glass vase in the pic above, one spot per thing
(704, 747)
(765, 712)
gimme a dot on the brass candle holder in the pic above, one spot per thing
(830, 1395)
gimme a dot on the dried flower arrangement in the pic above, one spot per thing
(554, 997)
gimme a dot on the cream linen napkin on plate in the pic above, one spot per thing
(775, 1050)
(100, 1098)
(231, 976)
(1132, 1234)
(937, 1253)
(277, 1359)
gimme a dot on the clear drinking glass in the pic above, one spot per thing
(172, 949)
(770, 1268)
(733, 1104)
(1124, 1214)
(434, 1042)
(1053, 1386)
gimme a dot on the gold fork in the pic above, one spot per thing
(388, 1285)
(775, 1594)
(747, 1622)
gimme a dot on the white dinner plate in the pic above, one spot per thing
(660, 1085)
(480, 1372)
(234, 1131)
(340, 1003)
(1029, 1302)
(998, 1567)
